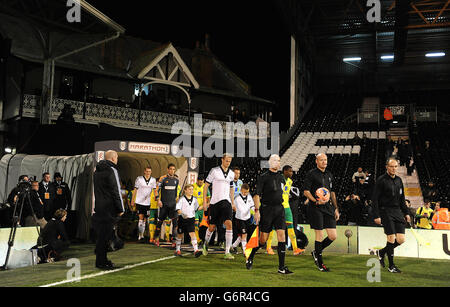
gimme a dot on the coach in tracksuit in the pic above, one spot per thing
(108, 206)
(390, 210)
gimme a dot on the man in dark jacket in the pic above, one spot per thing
(63, 198)
(108, 206)
(47, 192)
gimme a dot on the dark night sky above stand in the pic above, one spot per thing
(247, 36)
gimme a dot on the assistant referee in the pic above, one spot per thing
(269, 195)
(390, 210)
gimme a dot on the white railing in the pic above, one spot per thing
(116, 116)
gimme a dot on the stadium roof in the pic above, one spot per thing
(124, 57)
(333, 29)
(52, 15)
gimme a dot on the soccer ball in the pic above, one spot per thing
(323, 194)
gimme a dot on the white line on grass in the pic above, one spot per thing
(128, 267)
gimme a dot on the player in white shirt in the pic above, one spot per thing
(244, 203)
(187, 207)
(144, 186)
(222, 203)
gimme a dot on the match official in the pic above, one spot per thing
(269, 194)
(390, 210)
(322, 215)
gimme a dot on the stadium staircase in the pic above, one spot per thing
(413, 192)
(401, 133)
(433, 163)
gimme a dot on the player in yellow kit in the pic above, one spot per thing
(152, 217)
(288, 173)
(198, 193)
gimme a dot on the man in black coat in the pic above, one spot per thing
(63, 198)
(108, 206)
(47, 193)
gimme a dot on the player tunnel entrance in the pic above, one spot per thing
(134, 157)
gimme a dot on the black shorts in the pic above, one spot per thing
(321, 218)
(393, 221)
(220, 212)
(186, 225)
(272, 217)
(242, 227)
(145, 210)
(166, 211)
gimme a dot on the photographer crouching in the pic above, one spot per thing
(54, 237)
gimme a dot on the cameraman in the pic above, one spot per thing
(12, 198)
(15, 197)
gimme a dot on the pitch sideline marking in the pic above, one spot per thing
(128, 267)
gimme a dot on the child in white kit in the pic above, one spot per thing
(244, 203)
(186, 208)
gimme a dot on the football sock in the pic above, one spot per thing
(291, 234)
(269, 240)
(167, 232)
(196, 233)
(141, 227)
(390, 253)
(228, 240)
(281, 254)
(178, 244)
(151, 230)
(325, 243)
(318, 249)
(244, 244)
(158, 229)
(236, 243)
(208, 236)
(194, 244)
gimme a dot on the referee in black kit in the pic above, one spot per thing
(270, 188)
(322, 215)
(390, 210)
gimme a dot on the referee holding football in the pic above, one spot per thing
(390, 210)
(322, 215)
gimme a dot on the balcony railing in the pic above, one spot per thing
(117, 116)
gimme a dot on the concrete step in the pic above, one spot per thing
(413, 192)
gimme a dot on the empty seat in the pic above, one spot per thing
(331, 150)
(356, 150)
(374, 135)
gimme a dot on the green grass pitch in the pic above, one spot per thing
(214, 271)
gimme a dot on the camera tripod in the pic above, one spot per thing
(23, 195)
